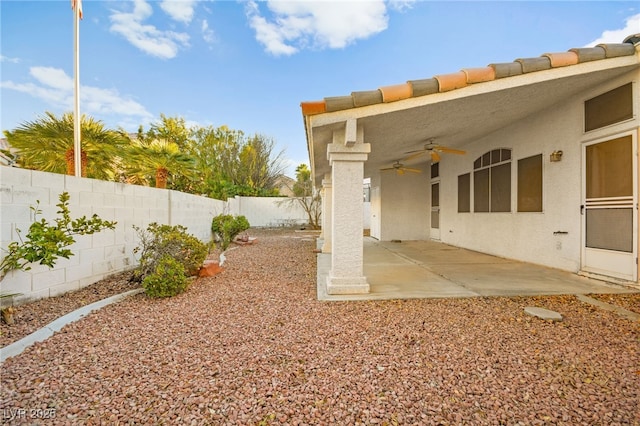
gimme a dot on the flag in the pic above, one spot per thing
(78, 4)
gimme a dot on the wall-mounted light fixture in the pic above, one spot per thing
(555, 156)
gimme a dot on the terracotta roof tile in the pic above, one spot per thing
(507, 69)
(427, 86)
(479, 75)
(467, 76)
(368, 97)
(338, 103)
(615, 50)
(562, 59)
(396, 93)
(586, 54)
(451, 81)
(534, 64)
(313, 107)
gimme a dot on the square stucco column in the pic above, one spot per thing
(347, 172)
(327, 194)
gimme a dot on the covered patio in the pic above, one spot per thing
(531, 136)
(431, 269)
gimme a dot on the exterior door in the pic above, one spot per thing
(609, 212)
(435, 211)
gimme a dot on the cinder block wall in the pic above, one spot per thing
(100, 255)
(269, 211)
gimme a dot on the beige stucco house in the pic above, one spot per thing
(549, 173)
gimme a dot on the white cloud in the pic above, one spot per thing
(632, 26)
(179, 10)
(149, 39)
(55, 87)
(7, 59)
(207, 33)
(401, 5)
(300, 24)
(50, 95)
(52, 77)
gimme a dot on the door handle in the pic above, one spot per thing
(582, 209)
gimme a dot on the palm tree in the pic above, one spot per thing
(157, 160)
(46, 144)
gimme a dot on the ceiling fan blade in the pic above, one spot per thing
(386, 169)
(408, 169)
(415, 155)
(435, 157)
(449, 150)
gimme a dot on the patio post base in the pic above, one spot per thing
(347, 285)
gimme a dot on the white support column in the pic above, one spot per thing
(327, 194)
(347, 155)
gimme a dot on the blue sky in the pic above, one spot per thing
(248, 65)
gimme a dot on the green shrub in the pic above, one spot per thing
(46, 242)
(167, 279)
(158, 241)
(226, 227)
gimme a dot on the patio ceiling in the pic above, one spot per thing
(455, 118)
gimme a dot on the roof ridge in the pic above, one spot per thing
(452, 81)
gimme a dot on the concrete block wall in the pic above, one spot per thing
(111, 251)
(268, 211)
(194, 212)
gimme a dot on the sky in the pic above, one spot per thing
(248, 65)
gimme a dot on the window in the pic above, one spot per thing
(492, 182)
(530, 184)
(614, 168)
(609, 108)
(435, 170)
(435, 205)
(464, 193)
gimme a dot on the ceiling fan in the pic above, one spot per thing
(400, 169)
(434, 151)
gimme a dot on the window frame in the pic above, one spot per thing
(520, 191)
(461, 196)
(603, 102)
(496, 158)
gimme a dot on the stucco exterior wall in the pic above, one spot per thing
(404, 205)
(552, 237)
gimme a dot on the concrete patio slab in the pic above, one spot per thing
(430, 269)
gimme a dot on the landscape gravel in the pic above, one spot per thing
(253, 346)
(34, 315)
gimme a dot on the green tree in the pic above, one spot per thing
(171, 129)
(230, 164)
(46, 144)
(306, 196)
(260, 166)
(157, 161)
(213, 150)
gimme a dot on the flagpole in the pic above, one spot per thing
(77, 145)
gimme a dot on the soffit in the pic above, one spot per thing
(454, 119)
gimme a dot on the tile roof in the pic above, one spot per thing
(467, 76)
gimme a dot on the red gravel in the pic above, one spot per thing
(35, 315)
(254, 346)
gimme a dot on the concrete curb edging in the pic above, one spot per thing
(608, 307)
(47, 331)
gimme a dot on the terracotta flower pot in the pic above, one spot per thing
(210, 268)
